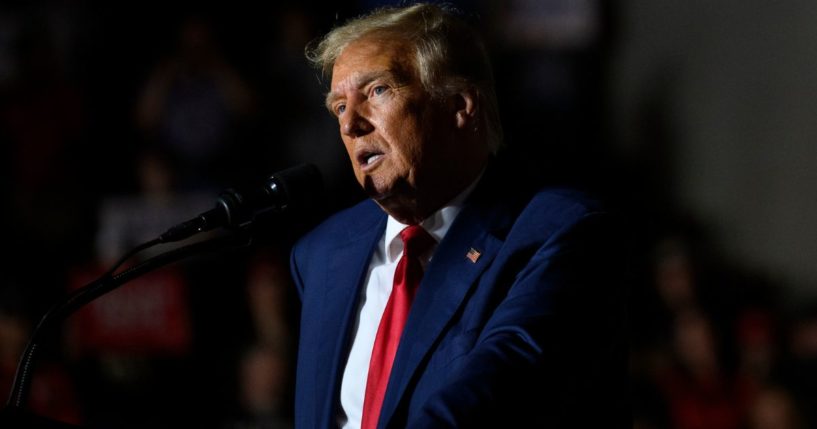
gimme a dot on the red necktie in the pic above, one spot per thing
(416, 241)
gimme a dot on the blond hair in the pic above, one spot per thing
(449, 55)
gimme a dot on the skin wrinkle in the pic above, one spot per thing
(387, 76)
(427, 154)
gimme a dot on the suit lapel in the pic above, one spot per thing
(449, 277)
(346, 268)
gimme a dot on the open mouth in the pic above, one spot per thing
(368, 159)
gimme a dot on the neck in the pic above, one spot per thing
(414, 207)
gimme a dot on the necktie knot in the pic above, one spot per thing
(416, 240)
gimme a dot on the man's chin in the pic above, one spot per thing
(402, 211)
(389, 201)
(375, 189)
(399, 205)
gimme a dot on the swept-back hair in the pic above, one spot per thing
(449, 55)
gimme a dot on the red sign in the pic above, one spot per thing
(148, 315)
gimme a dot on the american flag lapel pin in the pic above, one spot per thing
(473, 255)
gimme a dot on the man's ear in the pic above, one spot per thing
(465, 106)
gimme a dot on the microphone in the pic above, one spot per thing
(295, 188)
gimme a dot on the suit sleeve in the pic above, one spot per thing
(553, 353)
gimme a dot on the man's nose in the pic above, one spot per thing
(354, 124)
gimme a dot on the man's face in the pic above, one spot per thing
(396, 136)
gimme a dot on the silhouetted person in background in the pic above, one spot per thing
(193, 104)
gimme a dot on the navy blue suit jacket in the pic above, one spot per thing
(531, 334)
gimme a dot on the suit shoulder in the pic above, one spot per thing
(553, 211)
(557, 219)
(565, 203)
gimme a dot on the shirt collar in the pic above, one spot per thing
(437, 224)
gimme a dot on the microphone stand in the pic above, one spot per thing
(14, 412)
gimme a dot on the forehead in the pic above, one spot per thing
(372, 54)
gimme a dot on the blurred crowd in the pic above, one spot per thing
(119, 121)
(715, 345)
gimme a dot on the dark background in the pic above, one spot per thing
(120, 119)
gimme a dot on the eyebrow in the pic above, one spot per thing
(360, 81)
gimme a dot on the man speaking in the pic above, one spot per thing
(456, 295)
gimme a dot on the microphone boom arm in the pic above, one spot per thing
(97, 288)
(236, 209)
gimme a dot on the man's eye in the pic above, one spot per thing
(379, 90)
(341, 108)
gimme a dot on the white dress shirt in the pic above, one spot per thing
(373, 303)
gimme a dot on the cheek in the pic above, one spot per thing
(414, 150)
(350, 148)
(406, 138)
